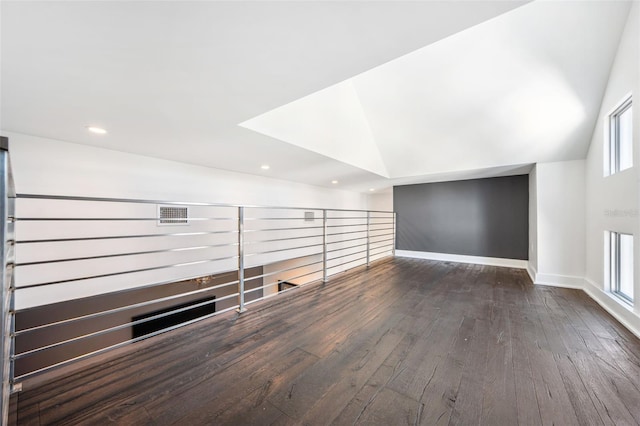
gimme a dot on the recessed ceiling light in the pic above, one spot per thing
(335, 182)
(97, 130)
(265, 167)
(371, 189)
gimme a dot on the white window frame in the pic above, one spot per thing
(613, 137)
(614, 267)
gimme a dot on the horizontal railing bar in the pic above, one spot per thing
(273, 240)
(383, 240)
(118, 345)
(281, 250)
(347, 217)
(290, 278)
(117, 327)
(269, 296)
(122, 308)
(134, 253)
(255, 277)
(382, 223)
(283, 218)
(347, 248)
(346, 263)
(132, 271)
(386, 243)
(345, 233)
(283, 229)
(133, 219)
(382, 235)
(386, 248)
(142, 287)
(359, 211)
(118, 200)
(187, 203)
(350, 224)
(388, 240)
(346, 255)
(118, 237)
(346, 241)
(381, 229)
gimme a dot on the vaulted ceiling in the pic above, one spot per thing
(368, 93)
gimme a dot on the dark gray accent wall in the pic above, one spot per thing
(479, 217)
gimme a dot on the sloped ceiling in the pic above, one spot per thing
(368, 93)
(522, 88)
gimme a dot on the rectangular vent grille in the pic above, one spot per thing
(171, 215)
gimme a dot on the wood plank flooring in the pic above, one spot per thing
(405, 342)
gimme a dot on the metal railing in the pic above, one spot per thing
(7, 197)
(95, 274)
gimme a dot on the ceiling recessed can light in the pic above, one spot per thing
(265, 167)
(97, 130)
(371, 189)
(335, 182)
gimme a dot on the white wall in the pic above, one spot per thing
(559, 223)
(43, 166)
(381, 200)
(612, 202)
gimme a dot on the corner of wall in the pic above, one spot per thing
(553, 280)
(531, 270)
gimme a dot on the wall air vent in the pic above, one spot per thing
(172, 215)
(309, 216)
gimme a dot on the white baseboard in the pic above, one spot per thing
(621, 312)
(564, 281)
(553, 280)
(479, 260)
(532, 271)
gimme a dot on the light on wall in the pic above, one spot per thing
(97, 130)
(265, 167)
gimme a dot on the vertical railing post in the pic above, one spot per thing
(393, 253)
(241, 307)
(368, 238)
(324, 246)
(7, 252)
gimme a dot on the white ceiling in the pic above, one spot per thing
(369, 93)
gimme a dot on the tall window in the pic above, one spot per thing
(621, 265)
(620, 137)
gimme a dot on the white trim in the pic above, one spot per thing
(623, 313)
(479, 260)
(532, 271)
(564, 281)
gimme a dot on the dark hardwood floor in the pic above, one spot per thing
(405, 342)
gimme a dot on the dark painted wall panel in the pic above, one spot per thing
(480, 217)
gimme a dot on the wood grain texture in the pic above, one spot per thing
(406, 341)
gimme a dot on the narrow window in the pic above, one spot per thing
(621, 265)
(620, 137)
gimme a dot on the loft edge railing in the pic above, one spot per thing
(333, 228)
